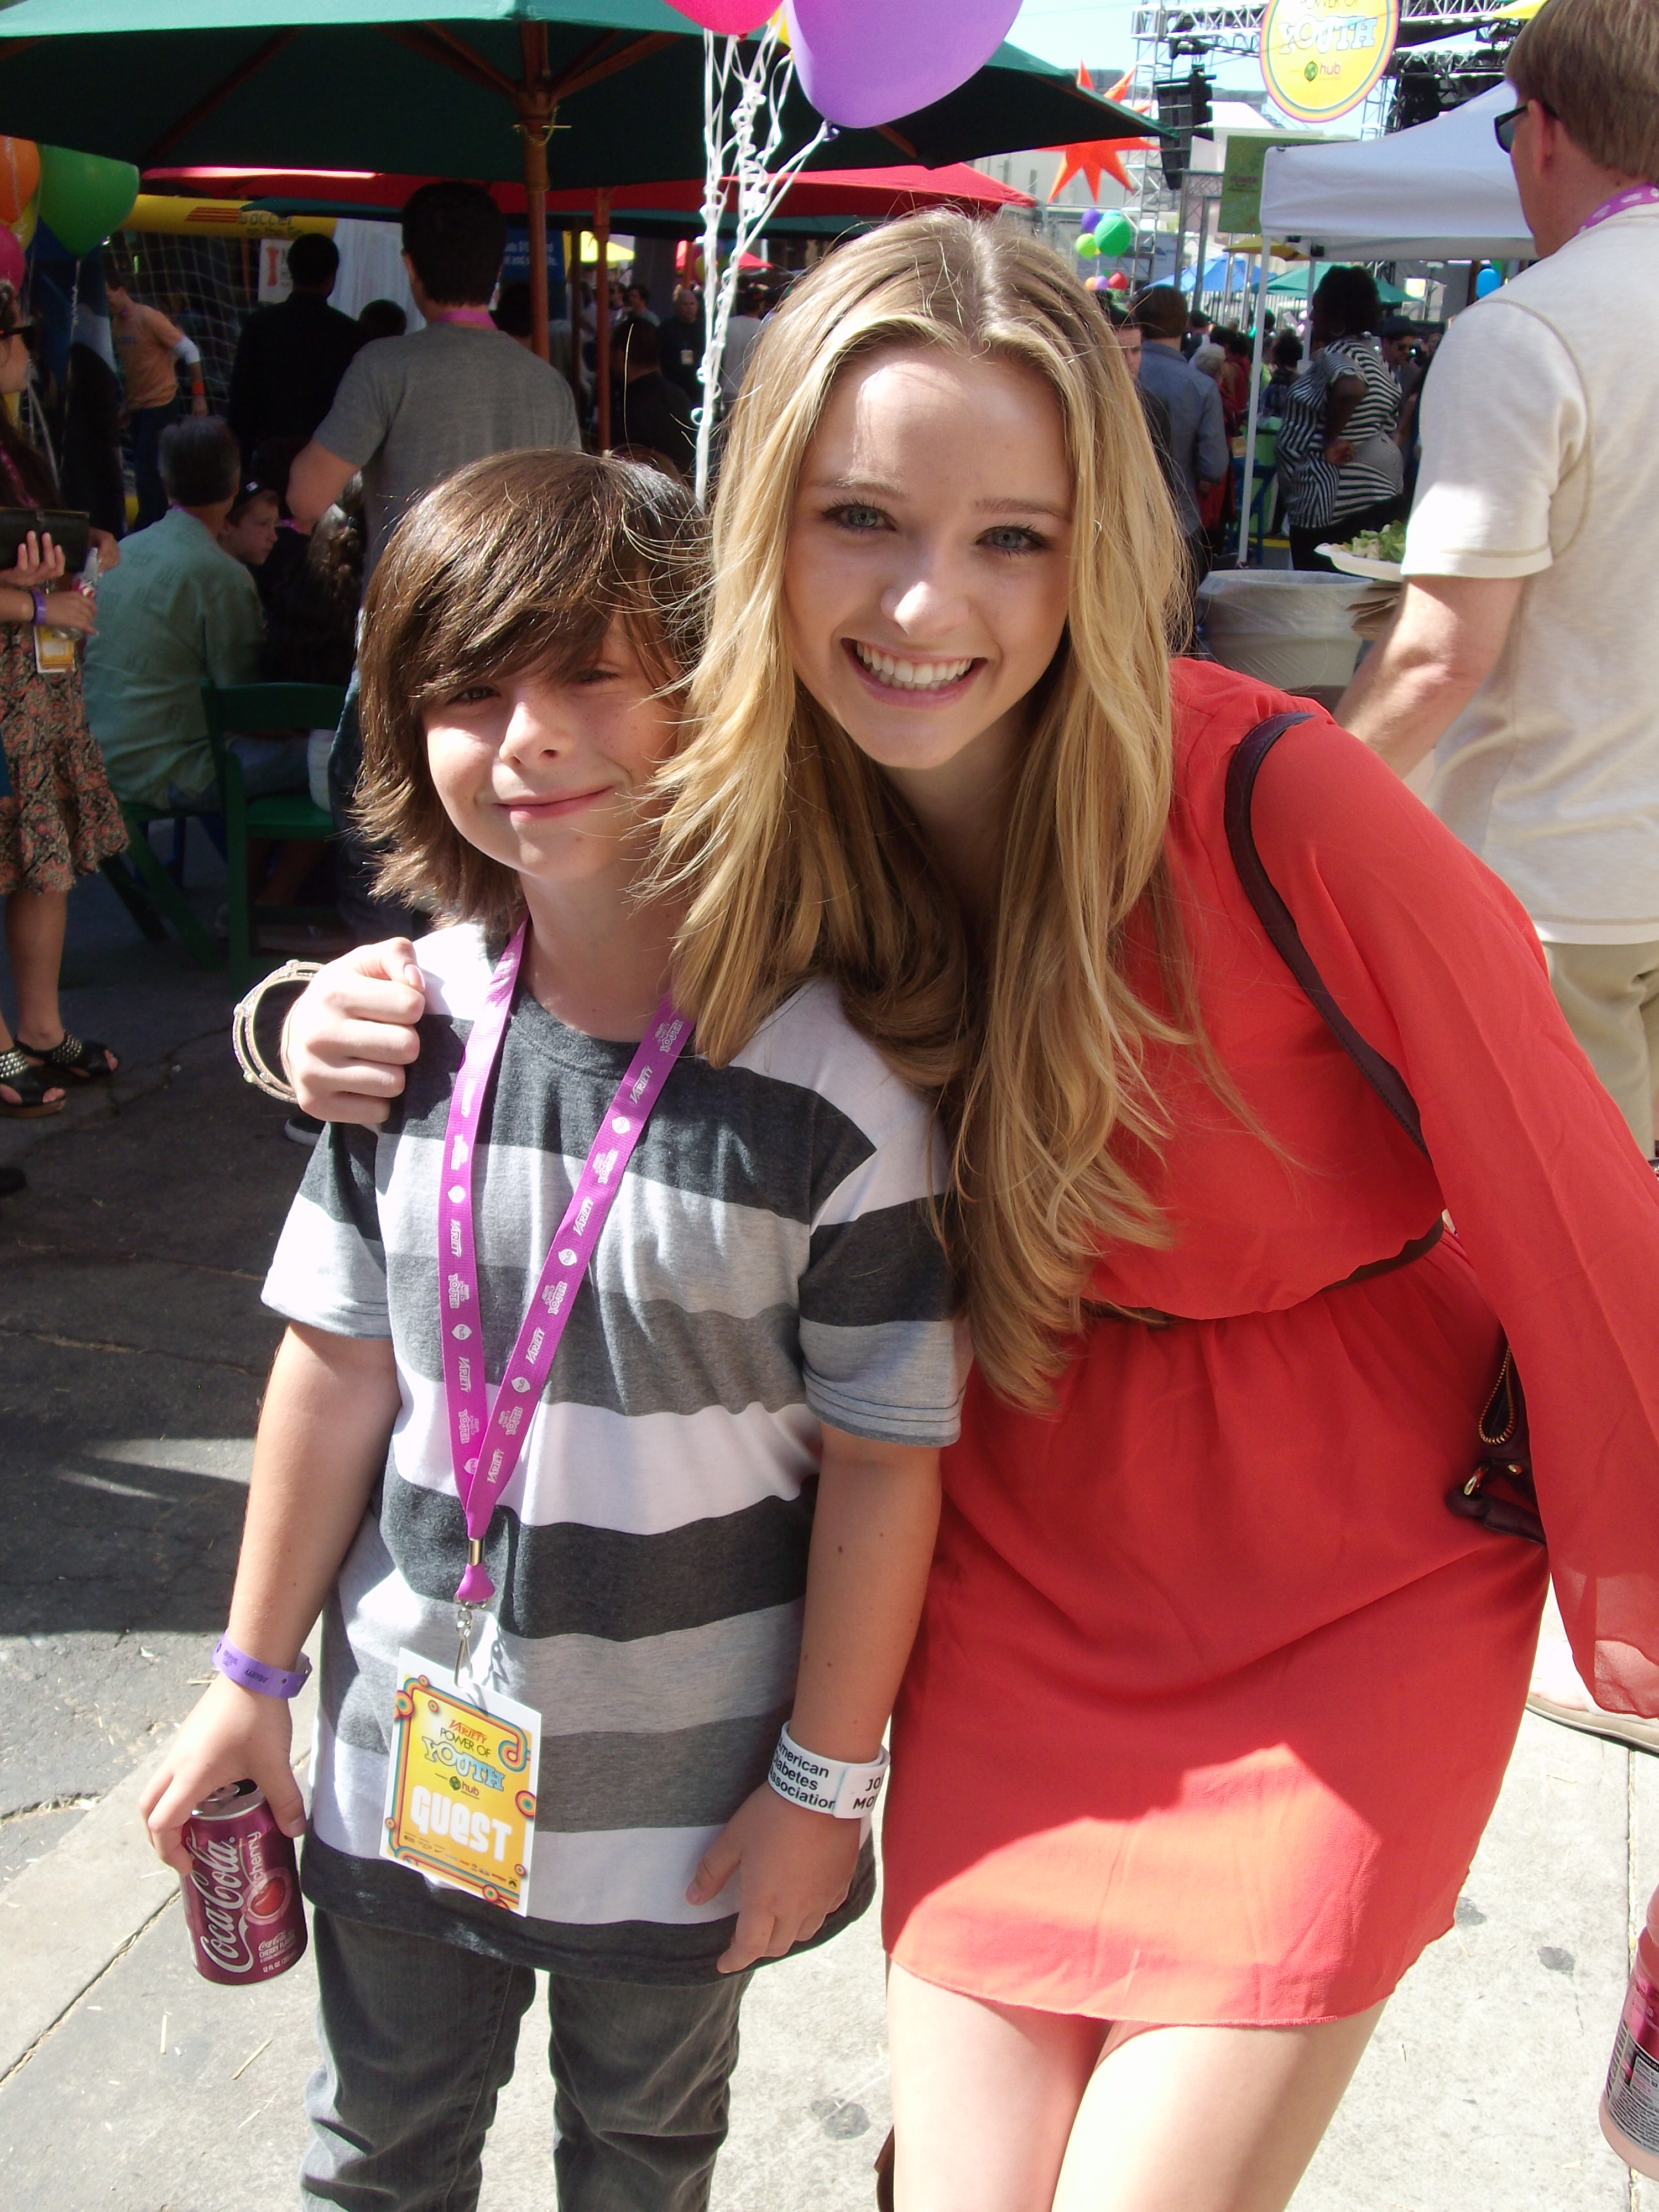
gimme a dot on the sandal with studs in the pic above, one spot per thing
(18, 1072)
(87, 1058)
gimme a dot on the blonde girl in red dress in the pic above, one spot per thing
(1211, 1695)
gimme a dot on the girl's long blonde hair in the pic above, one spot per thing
(799, 856)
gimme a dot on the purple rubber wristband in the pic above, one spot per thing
(251, 1673)
(39, 599)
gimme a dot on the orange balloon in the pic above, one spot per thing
(20, 176)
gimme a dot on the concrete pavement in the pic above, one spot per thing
(134, 1349)
(1479, 2088)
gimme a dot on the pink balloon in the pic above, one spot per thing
(864, 62)
(727, 19)
(12, 265)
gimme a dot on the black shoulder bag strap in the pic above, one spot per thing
(1500, 1492)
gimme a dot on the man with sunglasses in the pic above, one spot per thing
(1523, 652)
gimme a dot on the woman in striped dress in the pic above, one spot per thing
(1342, 469)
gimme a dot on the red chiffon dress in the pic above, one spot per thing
(1212, 1694)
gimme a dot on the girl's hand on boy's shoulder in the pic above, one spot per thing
(233, 1735)
(794, 1868)
(350, 1034)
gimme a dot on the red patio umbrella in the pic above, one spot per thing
(870, 194)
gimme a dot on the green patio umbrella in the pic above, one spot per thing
(1293, 284)
(559, 92)
(425, 87)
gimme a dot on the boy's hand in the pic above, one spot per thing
(794, 1868)
(348, 1038)
(234, 1734)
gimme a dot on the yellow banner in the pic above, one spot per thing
(177, 217)
(1320, 58)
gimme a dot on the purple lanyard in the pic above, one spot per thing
(483, 1469)
(1632, 196)
(478, 319)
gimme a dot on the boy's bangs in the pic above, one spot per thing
(553, 626)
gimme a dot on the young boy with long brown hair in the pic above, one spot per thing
(765, 1320)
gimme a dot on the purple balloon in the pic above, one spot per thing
(864, 62)
(1089, 220)
(13, 267)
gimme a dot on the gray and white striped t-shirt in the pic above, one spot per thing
(769, 1266)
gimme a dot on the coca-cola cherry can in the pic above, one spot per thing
(242, 1894)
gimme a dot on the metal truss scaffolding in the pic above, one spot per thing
(1172, 41)
(1232, 26)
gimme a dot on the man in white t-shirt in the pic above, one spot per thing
(1523, 652)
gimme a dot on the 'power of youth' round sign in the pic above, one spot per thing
(1320, 58)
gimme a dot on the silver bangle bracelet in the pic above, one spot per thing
(244, 1044)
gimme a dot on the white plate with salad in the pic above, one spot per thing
(1377, 553)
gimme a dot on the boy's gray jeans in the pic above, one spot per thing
(418, 2038)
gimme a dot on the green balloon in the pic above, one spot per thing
(1088, 244)
(1115, 235)
(84, 196)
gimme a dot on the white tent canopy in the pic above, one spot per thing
(1441, 192)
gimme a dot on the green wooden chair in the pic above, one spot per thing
(257, 710)
(148, 889)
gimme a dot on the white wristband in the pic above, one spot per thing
(835, 1786)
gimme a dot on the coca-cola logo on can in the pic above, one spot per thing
(219, 1882)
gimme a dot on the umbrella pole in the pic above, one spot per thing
(535, 201)
(1256, 407)
(601, 315)
(572, 301)
(536, 114)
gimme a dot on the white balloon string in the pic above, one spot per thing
(739, 146)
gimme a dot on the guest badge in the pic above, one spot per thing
(459, 1804)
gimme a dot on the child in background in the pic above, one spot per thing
(251, 533)
(724, 1513)
(248, 531)
(310, 611)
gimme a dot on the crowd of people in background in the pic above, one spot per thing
(248, 539)
(254, 534)
(1340, 404)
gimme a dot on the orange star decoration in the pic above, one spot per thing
(1099, 157)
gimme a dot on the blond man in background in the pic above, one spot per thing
(1522, 654)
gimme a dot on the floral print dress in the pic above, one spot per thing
(59, 819)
